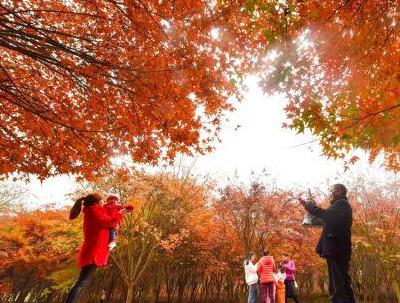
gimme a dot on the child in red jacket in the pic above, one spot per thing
(113, 205)
(265, 269)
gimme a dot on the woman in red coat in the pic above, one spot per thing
(94, 251)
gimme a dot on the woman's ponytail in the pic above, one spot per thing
(76, 209)
(89, 200)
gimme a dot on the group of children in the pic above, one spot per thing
(277, 283)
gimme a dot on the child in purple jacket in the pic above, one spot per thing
(290, 269)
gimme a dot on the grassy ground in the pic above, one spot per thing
(311, 299)
(316, 299)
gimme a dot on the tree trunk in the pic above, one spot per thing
(129, 295)
(181, 290)
(155, 290)
(396, 290)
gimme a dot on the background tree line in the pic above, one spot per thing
(185, 242)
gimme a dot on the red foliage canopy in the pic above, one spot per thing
(84, 81)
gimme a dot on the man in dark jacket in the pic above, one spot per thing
(335, 242)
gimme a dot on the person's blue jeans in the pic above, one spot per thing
(85, 276)
(253, 293)
(113, 235)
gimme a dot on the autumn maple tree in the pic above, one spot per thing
(84, 81)
(338, 64)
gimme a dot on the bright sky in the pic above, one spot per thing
(259, 143)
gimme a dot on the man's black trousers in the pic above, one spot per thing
(340, 288)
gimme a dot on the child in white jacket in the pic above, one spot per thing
(280, 278)
(251, 276)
